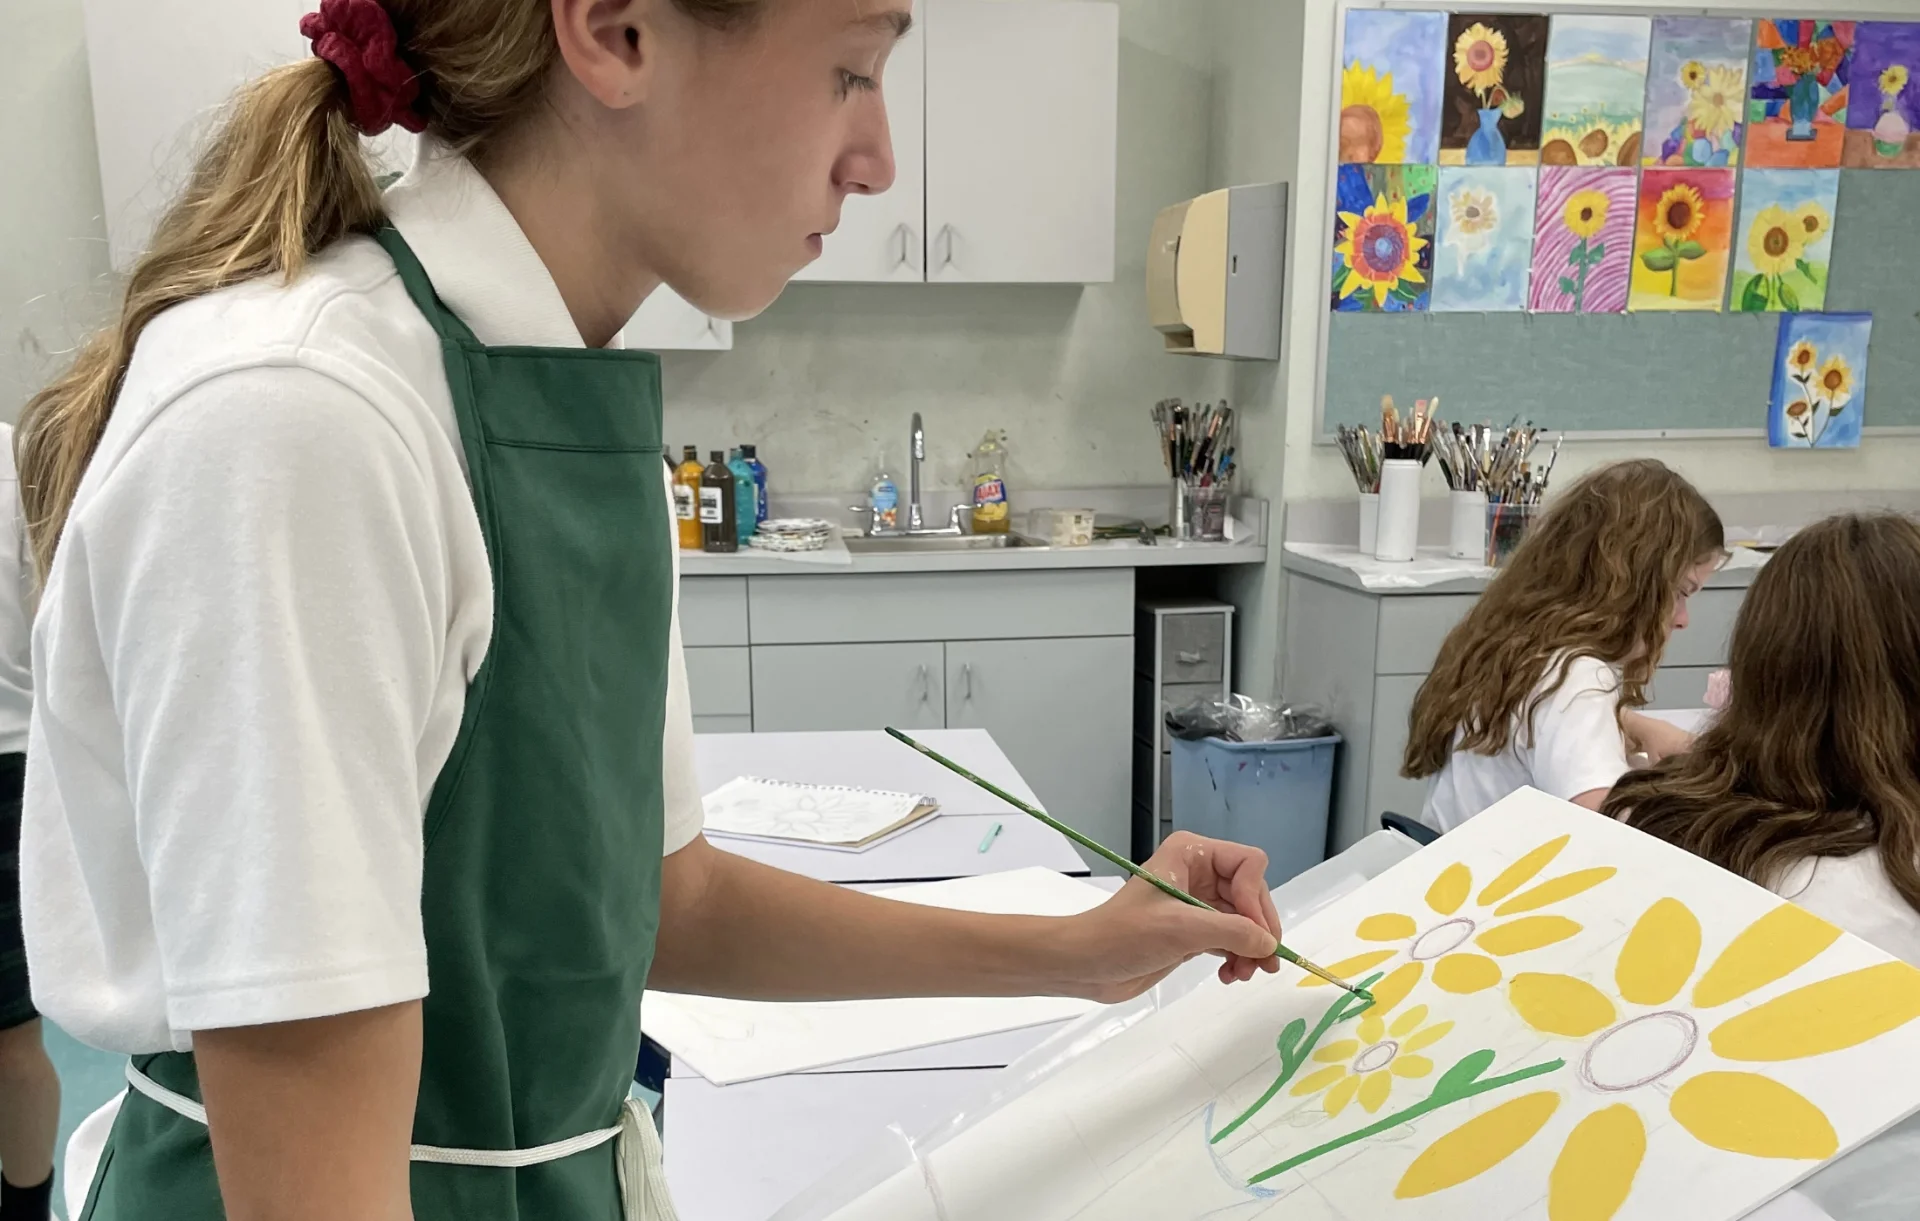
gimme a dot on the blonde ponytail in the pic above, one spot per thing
(283, 178)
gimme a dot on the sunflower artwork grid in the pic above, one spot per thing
(1572, 1021)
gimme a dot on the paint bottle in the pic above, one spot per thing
(759, 483)
(746, 498)
(686, 499)
(717, 506)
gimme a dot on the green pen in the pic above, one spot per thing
(1115, 858)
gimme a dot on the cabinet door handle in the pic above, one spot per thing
(926, 686)
(1189, 658)
(946, 246)
(966, 681)
(904, 232)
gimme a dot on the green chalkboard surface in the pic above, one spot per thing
(1645, 372)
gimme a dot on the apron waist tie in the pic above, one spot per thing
(643, 1188)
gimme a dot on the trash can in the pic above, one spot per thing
(1274, 796)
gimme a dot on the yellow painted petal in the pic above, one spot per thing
(1313, 1083)
(1772, 947)
(1553, 890)
(1408, 1022)
(1380, 291)
(1348, 968)
(1560, 1004)
(1349, 219)
(1353, 285)
(1411, 273)
(1338, 1053)
(1340, 1095)
(1388, 926)
(1831, 1015)
(1374, 1091)
(1660, 954)
(1757, 1116)
(1449, 890)
(1428, 1037)
(1411, 1066)
(1522, 871)
(1596, 1167)
(1372, 1029)
(1526, 933)
(1394, 988)
(1463, 974)
(1477, 1145)
(1400, 210)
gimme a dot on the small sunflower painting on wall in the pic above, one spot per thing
(1383, 238)
(1697, 91)
(1819, 381)
(1783, 246)
(1495, 89)
(1390, 87)
(1683, 240)
(1486, 238)
(1596, 90)
(1583, 240)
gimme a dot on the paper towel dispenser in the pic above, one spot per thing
(1214, 272)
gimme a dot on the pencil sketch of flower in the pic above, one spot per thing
(1440, 934)
(1635, 1043)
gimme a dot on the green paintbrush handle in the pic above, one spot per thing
(1105, 853)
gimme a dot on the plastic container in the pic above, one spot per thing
(1275, 796)
(883, 505)
(1399, 510)
(992, 514)
(1467, 539)
(1369, 521)
(717, 507)
(1209, 513)
(686, 500)
(1507, 525)
(751, 454)
(1065, 527)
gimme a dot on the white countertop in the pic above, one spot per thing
(1433, 571)
(1162, 554)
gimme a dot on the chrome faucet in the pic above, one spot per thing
(917, 449)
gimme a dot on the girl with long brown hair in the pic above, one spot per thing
(1539, 683)
(1808, 782)
(360, 803)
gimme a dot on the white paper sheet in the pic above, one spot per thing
(1575, 1022)
(835, 816)
(728, 1041)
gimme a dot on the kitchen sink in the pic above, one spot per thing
(914, 544)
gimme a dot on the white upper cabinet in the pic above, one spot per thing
(667, 322)
(160, 71)
(1022, 98)
(884, 237)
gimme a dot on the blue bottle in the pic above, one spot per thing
(759, 482)
(745, 496)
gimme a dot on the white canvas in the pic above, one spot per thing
(1674, 1042)
(728, 1041)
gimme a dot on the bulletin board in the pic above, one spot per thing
(1629, 374)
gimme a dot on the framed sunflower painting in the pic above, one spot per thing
(1683, 240)
(1697, 91)
(1570, 1021)
(1495, 89)
(1883, 114)
(1819, 381)
(1390, 87)
(1383, 238)
(1783, 246)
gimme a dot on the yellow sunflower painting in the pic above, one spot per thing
(1462, 934)
(1390, 87)
(1385, 1047)
(1639, 1049)
(1383, 237)
(1683, 242)
(1784, 241)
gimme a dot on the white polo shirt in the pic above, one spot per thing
(16, 620)
(255, 644)
(1572, 746)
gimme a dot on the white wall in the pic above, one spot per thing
(53, 256)
(1739, 465)
(826, 379)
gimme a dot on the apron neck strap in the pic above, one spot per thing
(444, 321)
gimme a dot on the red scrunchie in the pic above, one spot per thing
(357, 37)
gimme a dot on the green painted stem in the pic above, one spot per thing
(1293, 1055)
(1433, 1102)
(1106, 853)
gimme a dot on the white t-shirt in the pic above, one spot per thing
(255, 644)
(1854, 893)
(16, 619)
(1575, 746)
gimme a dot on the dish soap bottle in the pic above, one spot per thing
(883, 505)
(746, 499)
(717, 506)
(759, 483)
(686, 499)
(991, 513)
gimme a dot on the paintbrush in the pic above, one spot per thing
(1115, 858)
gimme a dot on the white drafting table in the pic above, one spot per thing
(946, 846)
(738, 1152)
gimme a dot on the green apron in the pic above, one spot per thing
(544, 831)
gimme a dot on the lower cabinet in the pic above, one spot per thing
(848, 686)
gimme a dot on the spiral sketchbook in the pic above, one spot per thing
(839, 817)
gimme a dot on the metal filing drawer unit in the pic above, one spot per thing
(1183, 651)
